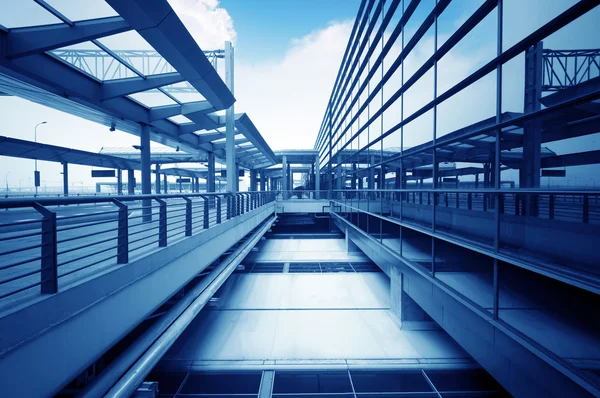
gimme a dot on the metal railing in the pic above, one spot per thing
(47, 240)
(573, 206)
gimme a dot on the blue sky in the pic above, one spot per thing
(287, 55)
(266, 27)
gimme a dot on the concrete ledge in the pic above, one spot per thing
(58, 337)
(522, 368)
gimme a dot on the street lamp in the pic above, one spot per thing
(6, 180)
(36, 170)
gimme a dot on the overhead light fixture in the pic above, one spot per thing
(177, 149)
(138, 147)
(112, 126)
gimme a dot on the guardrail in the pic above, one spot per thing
(573, 205)
(45, 239)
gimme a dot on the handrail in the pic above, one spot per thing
(56, 201)
(124, 228)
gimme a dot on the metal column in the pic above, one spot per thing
(253, 184)
(371, 181)
(166, 187)
(263, 181)
(237, 177)
(146, 173)
(232, 176)
(157, 183)
(284, 177)
(130, 182)
(119, 182)
(210, 178)
(317, 178)
(65, 178)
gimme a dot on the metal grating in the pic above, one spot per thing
(328, 267)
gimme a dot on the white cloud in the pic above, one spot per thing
(286, 98)
(208, 23)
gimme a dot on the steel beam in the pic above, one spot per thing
(230, 154)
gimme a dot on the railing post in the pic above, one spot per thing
(162, 222)
(122, 233)
(445, 198)
(229, 207)
(205, 223)
(470, 201)
(49, 272)
(188, 216)
(248, 203)
(485, 204)
(517, 204)
(218, 204)
(586, 208)
(501, 203)
(551, 207)
(240, 204)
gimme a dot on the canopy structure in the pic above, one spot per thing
(35, 64)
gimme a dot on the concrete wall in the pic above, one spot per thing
(46, 344)
(523, 369)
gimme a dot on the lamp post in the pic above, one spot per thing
(6, 180)
(35, 175)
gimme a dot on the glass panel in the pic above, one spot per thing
(90, 59)
(179, 119)
(74, 10)
(308, 382)
(404, 381)
(463, 380)
(152, 98)
(521, 18)
(554, 314)
(455, 14)
(24, 13)
(184, 92)
(222, 383)
(137, 52)
(472, 52)
(469, 273)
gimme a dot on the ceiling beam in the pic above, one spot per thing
(21, 42)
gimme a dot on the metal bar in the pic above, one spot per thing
(162, 224)
(188, 216)
(123, 234)
(49, 274)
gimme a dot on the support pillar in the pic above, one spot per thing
(263, 181)
(232, 175)
(317, 178)
(210, 178)
(166, 182)
(401, 305)
(180, 184)
(284, 175)
(253, 184)
(146, 173)
(157, 179)
(119, 182)
(237, 177)
(290, 177)
(130, 182)
(65, 178)
(529, 173)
